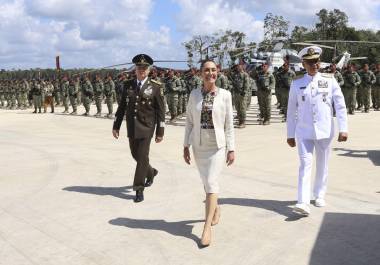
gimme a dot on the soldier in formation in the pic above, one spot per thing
(65, 94)
(172, 87)
(285, 77)
(110, 94)
(367, 80)
(73, 94)
(98, 95)
(351, 83)
(49, 98)
(87, 95)
(37, 96)
(265, 84)
(240, 84)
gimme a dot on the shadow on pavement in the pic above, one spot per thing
(280, 207)
(182, 228)
(349, 239)
(373, 155)
(118, 192)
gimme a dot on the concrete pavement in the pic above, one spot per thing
(65, 198)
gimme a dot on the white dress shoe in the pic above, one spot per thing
(301, 209)
(320, 202)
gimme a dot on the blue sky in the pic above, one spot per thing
(95, 33)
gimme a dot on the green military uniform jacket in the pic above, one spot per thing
(285, 78)
(73, 89)
(339, 78)
(65, 89)
(266, 81)
(172, 85)
(194, 82)
(240, 83)
(368, 78)
(144, 109)
(351, 79)
(109, 88)
(98, 88)
(377, 74)
(222, 81)
(87, 89)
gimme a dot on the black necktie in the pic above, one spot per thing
(138, 86)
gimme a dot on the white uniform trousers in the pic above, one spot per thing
(305, 152)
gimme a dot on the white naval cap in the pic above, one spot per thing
(310, 53)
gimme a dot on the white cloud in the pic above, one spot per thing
(93, 33)
(361, 13)
(85, 33)
(200, 17)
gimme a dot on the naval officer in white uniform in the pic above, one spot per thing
(310, 126)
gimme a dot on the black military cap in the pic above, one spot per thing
(142, 59)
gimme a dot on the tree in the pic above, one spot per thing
(275, 26)
(221, 46)
(198, 46)
(298, 34)
(332, 24)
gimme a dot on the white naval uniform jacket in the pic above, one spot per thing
(222, 117)
(310, 112)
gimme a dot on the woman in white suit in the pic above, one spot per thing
(210, 132)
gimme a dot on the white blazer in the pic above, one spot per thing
(310, 112)
(222, 116)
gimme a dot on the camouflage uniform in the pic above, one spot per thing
(221, 81)
(65, 95)
(278, 90)
(18, 93)
(240, 83)
(6, 94)
(285, 79)
(368, 79)
(180, 96)
(119, 89)
(351, 83)
(87, 94)
(265, 84)
(13, 94)
(98, 96)
(49, 99)
(57, 93)
(36, 92)
(109, 92)
(183, 101)
(172, 87)
(24, 94)
(43, 94)
(73, 94)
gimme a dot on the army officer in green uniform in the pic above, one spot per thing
(142, 103)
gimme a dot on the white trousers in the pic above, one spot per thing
(305, 151)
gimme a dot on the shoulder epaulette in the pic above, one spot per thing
(156, 82)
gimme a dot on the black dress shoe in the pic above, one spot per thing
(139, 196)
(149, 180)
